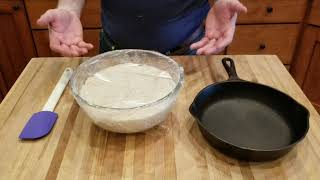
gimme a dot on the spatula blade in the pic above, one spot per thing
(39, 125)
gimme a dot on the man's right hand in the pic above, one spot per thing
(65, 32)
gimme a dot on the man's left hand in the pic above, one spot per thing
(220, 27)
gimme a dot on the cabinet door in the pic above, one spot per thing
(306, 66)
(3, 87)
(42, 42)
(272, 11)
(265, 39)
(16, 44)
(314, 17)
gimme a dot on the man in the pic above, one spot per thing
(167, 26)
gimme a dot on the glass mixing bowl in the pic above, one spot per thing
(133, 119)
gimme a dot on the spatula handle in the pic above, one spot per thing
(58, 90)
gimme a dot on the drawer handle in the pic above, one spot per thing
(16, 7)
(269, 9)
(262, 46)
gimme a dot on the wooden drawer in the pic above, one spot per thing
(272, 11)
(314, 17)
(90, 17)
(265, 39)
(41, 40)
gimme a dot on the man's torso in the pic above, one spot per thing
(157, 25)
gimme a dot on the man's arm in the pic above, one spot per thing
(72, 5)
(65, 28)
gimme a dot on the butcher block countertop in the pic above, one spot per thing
(77, 149)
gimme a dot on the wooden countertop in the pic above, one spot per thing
(77, 149)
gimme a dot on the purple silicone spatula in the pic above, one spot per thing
(41, 123)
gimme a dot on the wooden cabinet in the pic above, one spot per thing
(269, 27)
(273, 11)
(41, 40)
(306, 64)
(311, 85)
(16, 44)
(92, 36)
(265, 39)
(306, 67)
(314, 17)
(3, 87)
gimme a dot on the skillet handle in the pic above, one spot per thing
(231, 69)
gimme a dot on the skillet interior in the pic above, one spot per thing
(251, 115)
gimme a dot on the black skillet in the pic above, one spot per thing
(249, 121)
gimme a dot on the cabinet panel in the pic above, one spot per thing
(265, 39)
(311, 85)
(305, 51)
(272, 11)
(3, 87)
(41, 39)
(16, 44)
(92, 36)
(314, 17)
(90, 17)
(306, 66)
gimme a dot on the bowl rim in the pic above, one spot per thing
(99, 57)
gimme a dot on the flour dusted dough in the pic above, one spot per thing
(127, 85)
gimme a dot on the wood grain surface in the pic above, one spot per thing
(77, 149)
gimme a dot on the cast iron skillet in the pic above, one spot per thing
(249, 121)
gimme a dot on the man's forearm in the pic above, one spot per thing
(72, 5)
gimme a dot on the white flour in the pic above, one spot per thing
(125, 86)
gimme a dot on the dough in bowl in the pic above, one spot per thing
(124, 87)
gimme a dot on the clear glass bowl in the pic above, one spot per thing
(133, 119)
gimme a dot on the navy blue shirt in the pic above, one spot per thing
(156, 25)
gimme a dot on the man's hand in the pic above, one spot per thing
(65, 32)
(220, 27)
